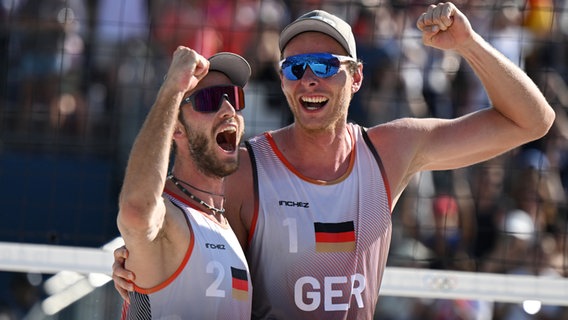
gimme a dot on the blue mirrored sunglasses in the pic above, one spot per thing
(210, 99)
(323, 65)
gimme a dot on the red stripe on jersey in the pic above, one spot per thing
(240, 284)
(335, 237)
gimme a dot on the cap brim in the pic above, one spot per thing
(235, 67)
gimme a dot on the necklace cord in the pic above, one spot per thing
(176, 181)
(196, 188)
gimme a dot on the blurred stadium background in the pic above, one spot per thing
(78, 76)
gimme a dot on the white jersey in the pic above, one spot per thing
(212, 282)
(318, 249)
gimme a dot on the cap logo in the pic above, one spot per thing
(326, 20)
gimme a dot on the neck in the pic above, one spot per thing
(323, 156)
(196, 180)
(180, 185)
(327, 140)
(187, 184)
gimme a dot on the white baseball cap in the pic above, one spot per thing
(324, 22)
(232, 65)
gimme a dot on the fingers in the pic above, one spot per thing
(201, 67)
(119, 285)
(120, 253)
(122, 278)
(119, 271)
(187, 68)
(191, 61)
(437, 17)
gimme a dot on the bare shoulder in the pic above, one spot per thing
(397, 143)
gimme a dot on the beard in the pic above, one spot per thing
(202, 152)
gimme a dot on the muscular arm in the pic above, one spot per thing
(141, 208)
(147, 222)
(519, 111)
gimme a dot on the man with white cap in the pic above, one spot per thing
(187, 260)
(311, 202)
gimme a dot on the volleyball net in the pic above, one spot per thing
(398, 281)
(78, 271)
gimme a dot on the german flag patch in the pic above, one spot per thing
(335, 237)
(239, 283)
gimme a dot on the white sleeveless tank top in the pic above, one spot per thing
(317, 250)
(212, 282)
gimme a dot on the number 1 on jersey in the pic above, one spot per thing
(291, 223)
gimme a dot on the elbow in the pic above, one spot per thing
(129, 218)
(546, 122)
(538, 124)
(134, 217)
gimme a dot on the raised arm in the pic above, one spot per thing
(141, 208)
(511, 91)
(519, 111)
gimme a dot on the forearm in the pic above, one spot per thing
(141, 206)
(510, 90)
(148, 162)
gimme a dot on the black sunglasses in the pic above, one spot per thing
(210, 99)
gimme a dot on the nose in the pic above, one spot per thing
(227, 109)
(309, 78)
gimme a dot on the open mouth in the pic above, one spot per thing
(227, 139)
(313, 103)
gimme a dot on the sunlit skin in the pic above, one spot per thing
(336, 90)
(323, 130)
(207, 157)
